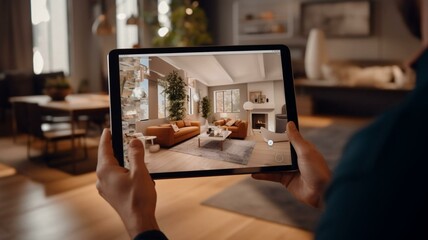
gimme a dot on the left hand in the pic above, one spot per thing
(130, 192)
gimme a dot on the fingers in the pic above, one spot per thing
(283, 178)
(274, 177)
(105, 150)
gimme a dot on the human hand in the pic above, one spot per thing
(309, 182)
(130, 192)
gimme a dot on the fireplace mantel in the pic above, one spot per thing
(264, 109)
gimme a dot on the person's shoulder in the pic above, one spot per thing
(396, 136)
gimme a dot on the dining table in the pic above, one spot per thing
(74, 105)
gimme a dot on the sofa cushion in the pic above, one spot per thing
(220, 122)
(180, 123)
(237, 122)
(185, 130)
(231, 128)
(187, 123)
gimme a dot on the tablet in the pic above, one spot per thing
(204, 111)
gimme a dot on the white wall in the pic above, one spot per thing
(391, 39)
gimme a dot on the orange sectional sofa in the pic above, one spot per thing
(238, 129)
(167, 137)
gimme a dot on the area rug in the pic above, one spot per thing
(235, 151)
(270, 201)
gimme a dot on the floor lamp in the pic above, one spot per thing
(249, 106)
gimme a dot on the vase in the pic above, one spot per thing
(57, 94)
(315, 55)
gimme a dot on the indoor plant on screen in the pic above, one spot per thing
(176, 94)
(206, 109)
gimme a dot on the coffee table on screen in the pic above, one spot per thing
(221, 137)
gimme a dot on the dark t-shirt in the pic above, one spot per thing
(151, 235)
(379, 189)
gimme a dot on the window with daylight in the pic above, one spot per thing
(227, 101)
(50, 36)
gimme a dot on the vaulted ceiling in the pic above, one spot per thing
(216, 70)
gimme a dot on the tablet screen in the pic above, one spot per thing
(204, 111)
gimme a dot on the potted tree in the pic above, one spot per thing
(206, 109)
(176, 93)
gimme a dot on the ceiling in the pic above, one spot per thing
(216, 70)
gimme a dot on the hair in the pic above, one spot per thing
(410, 12)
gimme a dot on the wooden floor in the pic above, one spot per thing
(28, 212)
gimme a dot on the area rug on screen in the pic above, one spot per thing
(270, 201)
(235, 151)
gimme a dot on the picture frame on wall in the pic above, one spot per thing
(254, 96)
(338, 19)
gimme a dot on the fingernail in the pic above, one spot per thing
(292, 126)
(135, 143)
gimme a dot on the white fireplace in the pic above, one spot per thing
(263, 118)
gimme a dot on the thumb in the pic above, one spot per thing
(136, 155)
(299, 143)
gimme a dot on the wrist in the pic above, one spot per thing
(139, 224)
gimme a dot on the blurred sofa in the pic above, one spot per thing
(166, 136)
(281, 120)
(238, 129)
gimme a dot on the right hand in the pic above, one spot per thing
(130, 192)
(310, 181)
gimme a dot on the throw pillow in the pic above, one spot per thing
(187, 123)
(237, 122)
(175, 127)
(180, 123)
(220, 122)
(230, 123)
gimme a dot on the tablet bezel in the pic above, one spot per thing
(116, 111)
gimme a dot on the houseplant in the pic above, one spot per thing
(176, 93)
(57, 88)
(206, 108)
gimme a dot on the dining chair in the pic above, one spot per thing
(38, 130)
(20, 121)
(19, 114)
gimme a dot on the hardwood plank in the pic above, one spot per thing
(6, 171)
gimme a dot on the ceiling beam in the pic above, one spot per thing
(220, 65)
